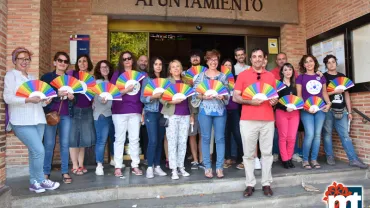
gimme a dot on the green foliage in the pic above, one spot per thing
(137, 43)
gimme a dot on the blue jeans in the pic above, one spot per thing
(102, 127)
(155, 137)
(232, 132)
(313, 124)
(341, 126)
(64, 127)
(275, 145)
(31, 136)
(218, 123)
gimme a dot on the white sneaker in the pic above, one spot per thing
(149, 172)
(99, 170)
(174, 175)
(183, 172)
(296, 158)
(158, 171)
(257, 163)
(112, 163)
(276, 157)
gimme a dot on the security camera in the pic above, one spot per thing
(199, 27)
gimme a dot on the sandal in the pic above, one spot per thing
(315, 164)
(84, 170)
(77, 171)
(306, 165)
(118, 172)
(219, 173)
(208, 173)
(227, 163)
(68, 179)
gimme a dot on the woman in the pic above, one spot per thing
(212, 111)
(341, 103)
(82, 133)
(27, 119)
(152, 116)
(310, 84)
(61, 63)
(102, 114)
(127, 117)
(232, 130)
(287, 119)
(180, 115)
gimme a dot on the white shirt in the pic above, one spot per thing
(20, 112)
(239, 68)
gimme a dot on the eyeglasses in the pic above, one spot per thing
(63, 61)
(127, 59)
(27, 60)
(258, 76)
(213, 60)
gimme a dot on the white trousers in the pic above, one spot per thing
(122, 124)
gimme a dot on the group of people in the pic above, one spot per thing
(229, 121)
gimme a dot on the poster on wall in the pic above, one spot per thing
(334, 46)
(273, 46)
(78, 45)
(361, 45)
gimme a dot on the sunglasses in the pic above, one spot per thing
(258, 76)
(61, 61)
(127, 59)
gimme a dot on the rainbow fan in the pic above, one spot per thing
(90, 93)
(341, 83)
(34, 88)
(177, 91)
(192, 73)
(259, 90)
(107, 90)
(69, 83)
(292, 101)
(229, 76)
(212, 88)
(314, 103)
(130, 78)
(87, 81)
(157, 85)
(279, 85)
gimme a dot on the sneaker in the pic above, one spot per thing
(49, 185)
(149, 172)
(158, 171)
(174, 175)
(330, 160)
(296, 158)
(257, 163)
(183, 172)
(99, 170)
(36, 187)
(136, 171)
(276, 157)
(194, 165)
(240, 166)
(358, 163)
(201, 165)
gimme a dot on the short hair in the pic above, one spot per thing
(258, 49)
(120, 66)
(195, 52)
(89, 63)
(62, 53)
(326, 59)
(18, 51)
(238, 49)
(302, 69)
(281, 53)
(212, 53)
(97, 72)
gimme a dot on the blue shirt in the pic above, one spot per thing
(149, 105)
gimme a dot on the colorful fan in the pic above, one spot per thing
(177, 91)
(130, 78)
(107, 90)
(34, 88)
(212, 88)
(259, 90)
(192, 73)
(279, 85)
(230, 77)
(90, 93)
(87, 81)
(157, 85)
(341, 83)
(292, 101)
(314, 103)
(69, 83)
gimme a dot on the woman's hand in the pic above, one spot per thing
(156, 96)
(273, 101)
(192, 119)
(48, 101)
(128, 89)
(289, 109)
(338, 91)
(207, 97)
(34, 100)
(104, 100)
(220, 97)
(62, 93)
(312, 111)
(350, 117)
(174, 102)
(326, 108)
(70, 96)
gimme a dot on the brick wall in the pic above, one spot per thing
(3, 32)
(45, 36)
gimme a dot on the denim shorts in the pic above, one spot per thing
(82, 128)
(196, 127)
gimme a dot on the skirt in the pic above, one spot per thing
(82, 130)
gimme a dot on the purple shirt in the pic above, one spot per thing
(182, 109)
(129, 103)
(64, 110)
(311, 85)
(82, 101)
(232, 105)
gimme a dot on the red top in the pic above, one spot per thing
(264, 112)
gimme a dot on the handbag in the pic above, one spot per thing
(163, 122)
(53, 118)
(338, 113)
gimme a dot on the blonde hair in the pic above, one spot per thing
(18, 51)
(173, 62)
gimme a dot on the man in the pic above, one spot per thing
(256, 123)
(240, 61)
(281, 59)
(142, 63)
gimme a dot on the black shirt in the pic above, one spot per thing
(288, 90)
(338, 101)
